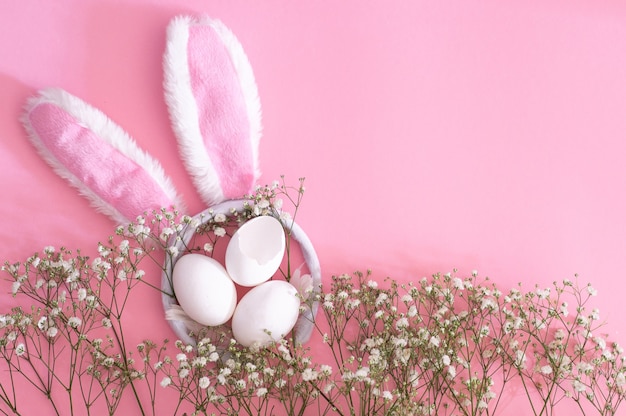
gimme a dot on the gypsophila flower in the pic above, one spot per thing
(578, 386)
(20, 349)
(402, 323)
(440, 345)
(591, 290)
(309, 374)
(595, 315)
(546, 369)
(204, 382)
(434, 341)
(74, 322)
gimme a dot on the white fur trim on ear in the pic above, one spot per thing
(105, 129)
(184, 112)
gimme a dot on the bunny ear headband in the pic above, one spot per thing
(214, 109)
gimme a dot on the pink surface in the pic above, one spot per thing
(433, 135)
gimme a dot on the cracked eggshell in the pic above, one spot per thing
(255, 251)
(204, 290)
(266, 313)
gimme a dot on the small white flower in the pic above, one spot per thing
(81, 295)
(326, 370)
(591, 290)
(488, 303)
(520, 359)
(362, 372)
(543, 293)
(52, 332)
(121, 275)
(402, 323)
(208, 247)
(387, 395)
(595, 314)
(199, 362)
(219, 231)
(106, 322)
(302, 282)
(43, 323)
(173, 250)
(166, 382)
(181, 357)
(600, 342)
(204, 382)
(20, 349)
(434, 341)
(262, 391)
(381, 299)
(309, 374)
(219, 217)
(74, 322)
(184, 372)
(457, 283)
(124, 246)
(578, 386)
(15, 287)
(546, 369)
(166, 233)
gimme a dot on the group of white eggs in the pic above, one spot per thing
(206, 290)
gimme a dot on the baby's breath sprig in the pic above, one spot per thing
(444, 344)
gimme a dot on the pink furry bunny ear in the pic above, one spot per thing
(96, 156)
(214, 107)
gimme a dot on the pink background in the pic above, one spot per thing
(433, 135)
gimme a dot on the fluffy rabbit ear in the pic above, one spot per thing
(96, 156)
(214, 107)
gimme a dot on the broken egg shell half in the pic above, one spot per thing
(204, 290)
(255, 251)
(266, 313)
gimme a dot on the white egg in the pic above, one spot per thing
(266, 313)
(255, 251)
(204, 290)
